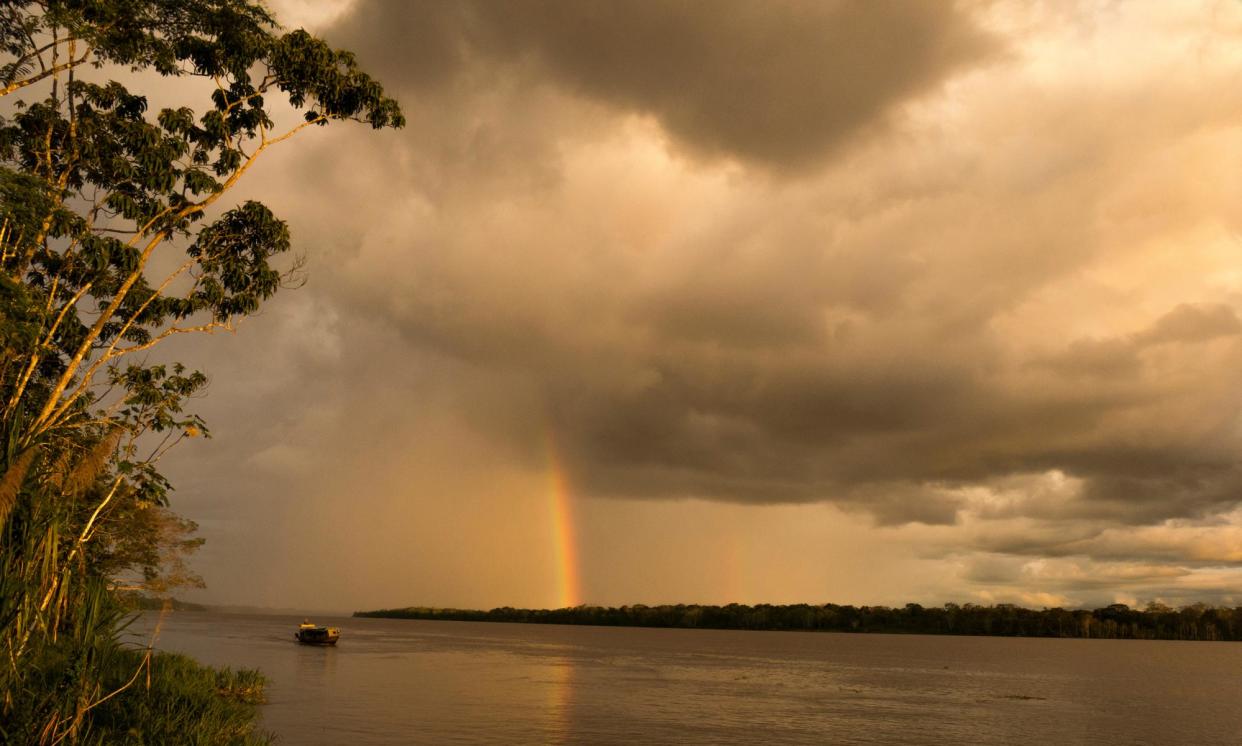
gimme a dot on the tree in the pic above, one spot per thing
(97, 189)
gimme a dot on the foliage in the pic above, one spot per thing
(155, 698)
(186, 703)
(1118, 621)
(115, 236)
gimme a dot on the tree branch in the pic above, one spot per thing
(72, 63)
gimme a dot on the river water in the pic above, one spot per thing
(397, 681)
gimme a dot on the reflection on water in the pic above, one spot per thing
(316, 666)
(560, 702)
(396, 681)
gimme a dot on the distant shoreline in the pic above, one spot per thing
(1117, 621)
(143, 602)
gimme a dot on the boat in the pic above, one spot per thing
(313, 634)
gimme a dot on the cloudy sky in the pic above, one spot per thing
(792, 301)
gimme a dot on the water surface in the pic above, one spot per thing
(406, 681)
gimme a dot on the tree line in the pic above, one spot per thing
(1116, 621)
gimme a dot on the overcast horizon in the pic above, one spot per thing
(782, 302)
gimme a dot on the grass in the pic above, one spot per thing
(178, 701)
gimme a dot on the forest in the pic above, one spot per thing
(1116, 621)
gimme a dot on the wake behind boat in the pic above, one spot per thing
(312, 634)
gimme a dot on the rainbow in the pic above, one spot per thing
(564, 542)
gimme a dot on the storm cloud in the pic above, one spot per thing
(966, 273)
(782, 83)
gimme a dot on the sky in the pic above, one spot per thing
(778, 302)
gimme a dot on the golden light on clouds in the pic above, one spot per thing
(863, 302)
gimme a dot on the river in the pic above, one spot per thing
(396, 681)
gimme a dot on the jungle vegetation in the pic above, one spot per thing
(116, 234)
(1117, 621)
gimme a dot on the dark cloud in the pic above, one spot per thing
(1122, 357)
(1193, 323)
(730, 414)
(779, 83)
(732, 363)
